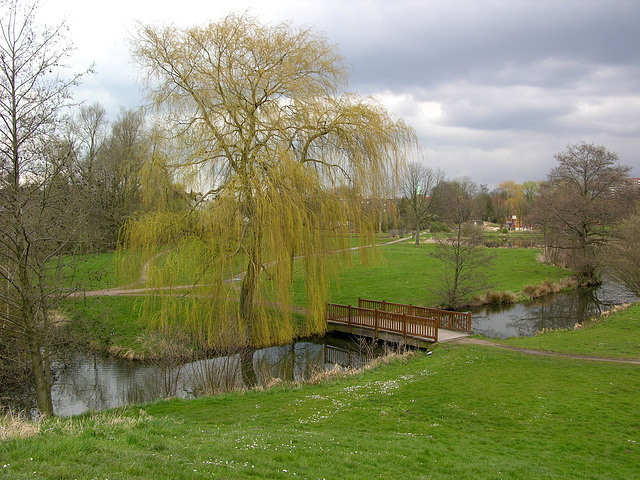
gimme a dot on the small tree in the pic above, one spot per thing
(582, 197)
(418, 183)
(464, 256)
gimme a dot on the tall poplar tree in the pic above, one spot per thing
(283, 159)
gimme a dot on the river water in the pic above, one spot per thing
(561, 310)
(88, 381)
(91, 381)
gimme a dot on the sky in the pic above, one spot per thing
(493, 89)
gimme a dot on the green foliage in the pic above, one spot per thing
(287, 164)
(439, 227)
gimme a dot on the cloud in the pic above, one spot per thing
(494, 88)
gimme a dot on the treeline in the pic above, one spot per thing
(582, 211)
(108, 164)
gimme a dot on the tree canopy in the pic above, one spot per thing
(582, 196)
(281, 157)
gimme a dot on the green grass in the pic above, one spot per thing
(88, 272)
(612, 336)
(408, 274)
(404, 276)
(106, 322)
(466, 411)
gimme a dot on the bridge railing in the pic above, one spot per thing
(380, 320)
(457, 321)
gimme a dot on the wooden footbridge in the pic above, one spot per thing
(411, 324)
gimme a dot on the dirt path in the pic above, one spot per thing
(488, 343)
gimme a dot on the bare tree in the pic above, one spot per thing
(418, 184)
(464, 256)
(91, 130)
(113, 186)
(35, 201)
(622, 255)
(583, 195)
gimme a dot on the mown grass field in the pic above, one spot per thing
(465, 411)
(406, 274)
(615, 336)
(403, 274)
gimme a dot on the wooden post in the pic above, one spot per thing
(375, 316)
(349, 320)
(404, 326)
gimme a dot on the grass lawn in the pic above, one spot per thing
(106, 322)
(466, 411)
(89, 272)
(407, 274)
(403, 275)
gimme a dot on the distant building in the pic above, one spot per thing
(512, 223)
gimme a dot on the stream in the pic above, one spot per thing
(561, 310)
(85, 381)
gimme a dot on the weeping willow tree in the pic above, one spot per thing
(284, 160)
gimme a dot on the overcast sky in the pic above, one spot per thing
(493, 88)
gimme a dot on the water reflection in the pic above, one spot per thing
(89, 381)
(554, 311)
(85, 381)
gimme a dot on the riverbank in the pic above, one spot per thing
(406, 274)
(464, 411)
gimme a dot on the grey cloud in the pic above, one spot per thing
(426, 43)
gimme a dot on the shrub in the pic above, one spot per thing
(439, 227)
(495, 298)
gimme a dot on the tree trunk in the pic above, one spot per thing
(417, 233)
(249, 284)
(41, 377)
(249, 377)
(247, 293)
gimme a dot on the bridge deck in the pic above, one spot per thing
(419, 328)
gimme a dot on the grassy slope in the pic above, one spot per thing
(105, 322)
(403, 276)
(407, 274)
(467, 411)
